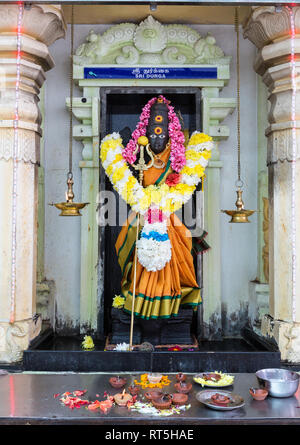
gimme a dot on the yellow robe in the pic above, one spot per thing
(158, 294)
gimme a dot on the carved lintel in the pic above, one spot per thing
(150, 43)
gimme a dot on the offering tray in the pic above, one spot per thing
(205, 397)
(221, 381)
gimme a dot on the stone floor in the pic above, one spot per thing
(28, 398)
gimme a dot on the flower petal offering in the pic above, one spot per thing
(214, 379)
(145, 383)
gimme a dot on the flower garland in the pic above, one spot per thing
(156, 203)
(144, 383)
(148, 408)
(167, 198)
(178, 159)
(154, 246)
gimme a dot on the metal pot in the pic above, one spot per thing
(279, 382)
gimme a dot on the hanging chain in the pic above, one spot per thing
(70, 174)
(237, 30)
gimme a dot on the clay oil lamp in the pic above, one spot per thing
(179, 398)
(117, 382)
(258, 393)
(220, 399)
(154, 377)
(180, 377)
(134, 390)
(164, 402)
(123, 398)
(153, 394)
(183, 387)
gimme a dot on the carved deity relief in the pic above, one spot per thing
(150, 42)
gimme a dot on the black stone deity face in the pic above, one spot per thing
(157, 130)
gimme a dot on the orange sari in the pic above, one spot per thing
(158, 294)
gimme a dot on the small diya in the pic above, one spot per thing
(163, 402)
(154, 377)
(183, 387)
(220, 399)
(179, 398)
(117, 382)
(123, 398)
(258, 393)
(134, 390)
(153, 394)
(180, 377)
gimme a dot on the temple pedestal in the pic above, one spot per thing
(175, 330)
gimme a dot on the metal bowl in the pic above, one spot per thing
(279, 382)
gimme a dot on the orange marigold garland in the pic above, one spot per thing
(144, 383)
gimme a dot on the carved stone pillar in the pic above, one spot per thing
(269, 28)
(40, 27)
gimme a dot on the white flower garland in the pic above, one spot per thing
(169, 199)
(154, 246)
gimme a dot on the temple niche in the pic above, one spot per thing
(207, 102)
(117, 69)
(186, 67)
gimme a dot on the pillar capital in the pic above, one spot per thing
(269, 29)
(40, 26)
(44, 23)
(270, 24)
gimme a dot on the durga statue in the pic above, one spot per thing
(156, 173)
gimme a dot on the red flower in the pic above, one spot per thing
(106, 405)
(94, 405)
(173, 179)
(73, 402)
(175, 348)
(79, 393)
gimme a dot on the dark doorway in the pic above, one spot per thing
(120, 111)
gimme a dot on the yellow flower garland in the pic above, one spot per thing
(169, 199)
(144, 383)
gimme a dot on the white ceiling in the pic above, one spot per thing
(185, 14)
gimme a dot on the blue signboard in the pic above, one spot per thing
(150, 73)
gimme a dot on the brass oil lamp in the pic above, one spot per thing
(240, 215)
(70, 208)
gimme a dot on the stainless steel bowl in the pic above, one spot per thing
(279, 382)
